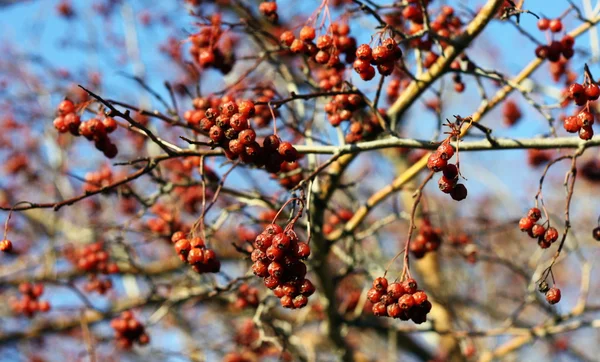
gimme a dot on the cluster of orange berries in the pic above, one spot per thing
(247, 297)
(448, 183)
(427, 240)
(93, 259)
(261, 116)
(584, 119)
(529, 224)
(205, 50)
(269, 10)
(129, 330)
(326, 49)
(292, 175)
(277, 257)
(556, 48)
(383, 56)
(95, 180)
(194, 252)
(399, 300)
(29, 304)
(335, 219)
(341, 108)
(94, 129)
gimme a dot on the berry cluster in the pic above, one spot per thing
(93, 259)
(448, 183)
(129, 330)
(399, 300)
(95, 180)
(6, 245)
(205, 50)
(194, 252)
(292, 175)
(552, 294)
(339, 216)
(584, 119)
(341, 108)
(277, 258)
(384, 56)
(556, 48)
(247, 297)
(327, 48)
(29, 304)
(427, 240)
(330, 78)
(537, 231)
(229, 127)
(94, 129)
(269, 10)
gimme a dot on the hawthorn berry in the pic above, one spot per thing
(6, 245)
(596, 233)
(592, 91)
(553, 295)
(459, 192)
(551, 234)
(534, 214)
(526, 224)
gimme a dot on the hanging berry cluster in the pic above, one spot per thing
(29, 304)
(383, 56)
(95, 180)
(556, 48)
(341, 108)
(247, 297)
(537, 231)
(269, 10)
(336, 218)
(399, 300)
(194, 252)
(427, 240)
(229, 127)
(582, 122)
(129, 330)
(448, 183)
(277, 258)
(93, 259)
(261, 115)
(210, 49)
(327, 49)
(94, 129)
(295, 175)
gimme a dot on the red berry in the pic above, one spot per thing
(555, 25)
(592, 92)
(435, 162)
(374, 295)
(534, 214)
(586, 133)
(380, 284)
(551, 235)
(6, 245)
(537, 230)
(307, 33)
(543, 24)
(553, 295)
(65, 107)
(445, 150)
(287, 38)
(410, 286)
(576, 90)
(395, 290)
(571, 124)
(525, 224)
